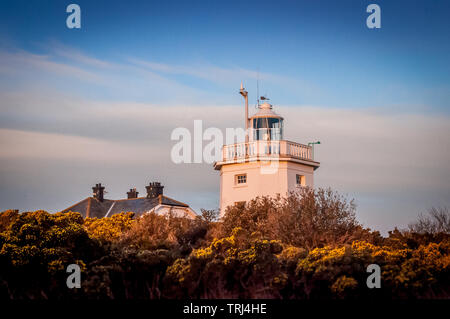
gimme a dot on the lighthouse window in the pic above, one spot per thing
(267, 129)
(300, 180)
(241, 179)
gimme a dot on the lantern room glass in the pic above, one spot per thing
(267, 128)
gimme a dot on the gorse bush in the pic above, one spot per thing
(307, 246)
(309, 218)
(108, 230)
(231, 267)
(35, 249)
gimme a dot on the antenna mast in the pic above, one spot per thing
(257, 88)
(244, 93)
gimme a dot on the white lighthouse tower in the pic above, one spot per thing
(265, 164)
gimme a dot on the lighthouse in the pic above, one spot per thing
(265, 164)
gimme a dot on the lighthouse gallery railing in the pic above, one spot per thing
(267, 148)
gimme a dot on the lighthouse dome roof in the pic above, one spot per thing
(265, 110)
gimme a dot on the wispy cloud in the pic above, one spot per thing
(19, 62)
(206, 72)
(19, 144)
(75, 55)
(70, 69)
(230, 75)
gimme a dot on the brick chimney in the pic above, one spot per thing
(132, 193)
(98, 191)
(154, 189)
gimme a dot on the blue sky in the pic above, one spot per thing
(323, 43)
(137, 69)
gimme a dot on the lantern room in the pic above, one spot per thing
(266, 125)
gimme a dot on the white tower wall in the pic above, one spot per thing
(282, 181)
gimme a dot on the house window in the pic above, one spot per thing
(241, 179)
(300, 180)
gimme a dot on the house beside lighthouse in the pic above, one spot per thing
(154, 202)
(265, 164)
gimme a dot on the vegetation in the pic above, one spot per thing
(306, 246)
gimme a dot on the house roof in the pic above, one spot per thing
(92, 207)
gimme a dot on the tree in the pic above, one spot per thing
(152, 231)
(7, 217)
(437, 221)
(308, 218)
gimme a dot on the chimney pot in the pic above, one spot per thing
(154, 189)
(98, 191)
(132, 193)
